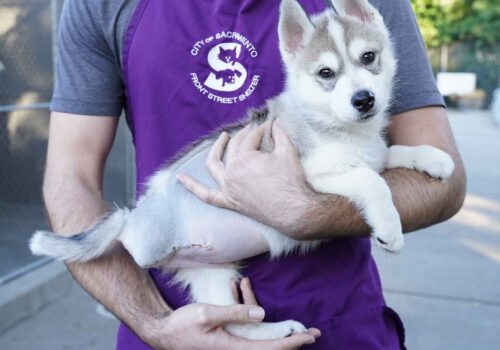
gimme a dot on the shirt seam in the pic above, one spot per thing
(83, 102)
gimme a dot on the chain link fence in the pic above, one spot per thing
(27, 58)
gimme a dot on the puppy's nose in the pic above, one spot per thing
(363, 100)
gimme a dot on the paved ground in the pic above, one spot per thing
(16, 226)
(445, 285)
(19, 221)
(71, 323)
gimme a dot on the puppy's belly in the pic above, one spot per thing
(221, 239)
(211, 235)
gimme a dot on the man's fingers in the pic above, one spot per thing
(234, 290)
(208, 195)
(315, 332)
(237, 139)
(296, 341)
(290, 343)
(215, 165)
(215, 316)
(247, 292)
(254, 138)
(293, 342)
(282, 142)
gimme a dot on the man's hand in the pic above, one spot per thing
(199, 326)
(255, 183)
(271, 187)
(78, 147)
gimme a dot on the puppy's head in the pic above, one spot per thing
(341, 65)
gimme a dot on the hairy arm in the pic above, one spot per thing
(72, 190)
(271, 187)
(420, 200)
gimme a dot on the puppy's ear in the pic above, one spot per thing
(295, 28)
(361, 9)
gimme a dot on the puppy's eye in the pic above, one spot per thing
(368, 57)
(326, 73)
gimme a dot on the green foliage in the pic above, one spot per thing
(471, 30)
(449, 21)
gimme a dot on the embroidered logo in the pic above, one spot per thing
(226, 79)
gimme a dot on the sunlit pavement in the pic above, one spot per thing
(445, 284)
(72, 322)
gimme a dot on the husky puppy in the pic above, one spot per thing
(340, 69)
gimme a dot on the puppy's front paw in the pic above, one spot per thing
(386, 225)
(434, 162)
(393, 242)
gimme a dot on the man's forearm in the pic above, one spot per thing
(420, 201)
(114, 279)
(271, 187)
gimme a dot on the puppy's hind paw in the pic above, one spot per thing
(282, 329)
(266, 331)
(294, 327)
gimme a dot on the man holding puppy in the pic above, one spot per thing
(177, 80)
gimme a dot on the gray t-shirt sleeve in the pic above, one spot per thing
(415, 86)
(88, 80)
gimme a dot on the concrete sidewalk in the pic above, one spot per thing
(445, 285)
(446, 282)
(69, 321)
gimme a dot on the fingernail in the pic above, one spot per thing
(311, 341)
(256, 313)
(316, 333)
(181, 177)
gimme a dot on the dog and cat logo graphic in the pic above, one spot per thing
(226, 80)
(227, 73)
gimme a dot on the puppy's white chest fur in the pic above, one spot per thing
(343, 155)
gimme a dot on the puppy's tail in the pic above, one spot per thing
(83, 246)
